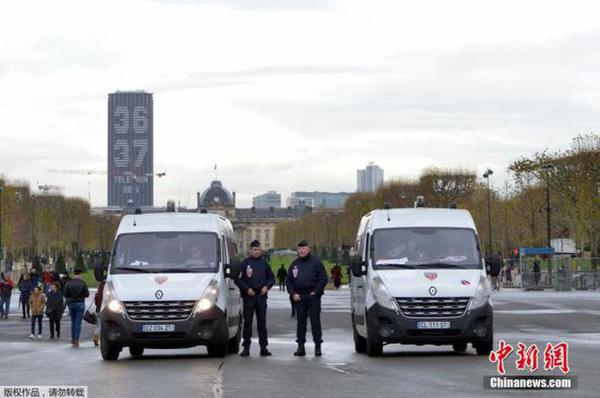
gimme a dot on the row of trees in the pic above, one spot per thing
(47, 225)
(518, 208)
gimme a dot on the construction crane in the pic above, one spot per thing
(89, 173)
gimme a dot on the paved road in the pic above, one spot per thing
(530, 317)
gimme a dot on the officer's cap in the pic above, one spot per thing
(303, 243)
(255, 243)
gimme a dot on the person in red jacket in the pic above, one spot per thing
(6, 287)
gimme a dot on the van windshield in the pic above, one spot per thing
(425, 248)
(165, 252)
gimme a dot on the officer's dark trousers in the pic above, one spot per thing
(258, 304)
(308, 306)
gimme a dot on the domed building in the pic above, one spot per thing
(248, 224)
(216, 196)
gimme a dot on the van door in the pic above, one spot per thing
(233, 296)
(360, 286)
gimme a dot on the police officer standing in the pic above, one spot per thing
(306, 283)
(254, 282)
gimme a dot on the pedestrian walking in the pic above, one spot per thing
(55, 306)
(6, 287)
(306, 283)
(98, 304)
(75, 293)
(281, 274)
(536, 272)
(25, 286)
(336, 276)
(254, 282)
(495, 268)
(37, 301)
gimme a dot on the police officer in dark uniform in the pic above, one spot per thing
(254, 282)
(306, 283)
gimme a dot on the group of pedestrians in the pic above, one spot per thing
(48, 296)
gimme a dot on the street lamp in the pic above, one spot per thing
(548, 168)
(487, 175)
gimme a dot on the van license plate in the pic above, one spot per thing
(433, 325)
(158, 328)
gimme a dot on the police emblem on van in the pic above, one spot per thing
(431, 275)
(160, 279)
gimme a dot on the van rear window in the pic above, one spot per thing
(425, 247)
(165, 252)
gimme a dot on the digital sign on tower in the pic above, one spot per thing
(130, 149)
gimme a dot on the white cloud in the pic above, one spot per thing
(294, 95)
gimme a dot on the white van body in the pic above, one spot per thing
(418, 277)
(168, 285)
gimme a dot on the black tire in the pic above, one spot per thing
(136, 352)
(218, 350)
(485, 347)
(374, 345)
(360, 343)
(233, 346)
(460, 347)
(109, 351)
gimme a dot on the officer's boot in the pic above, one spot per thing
(300, 352)
(264, 352)
(246, 351)
(318, 352)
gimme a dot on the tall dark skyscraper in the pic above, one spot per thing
(130, 148)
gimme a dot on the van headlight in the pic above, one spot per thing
(110, 300)
(209, 298)
(482, 294)
(382, 296)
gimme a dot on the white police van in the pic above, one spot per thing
(169, 285)
(418, 277)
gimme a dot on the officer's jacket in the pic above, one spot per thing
(256, 273)
(306, 275)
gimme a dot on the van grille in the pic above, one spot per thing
(429, 307)
(159, 310)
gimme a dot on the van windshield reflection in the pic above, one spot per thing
(407, 248)
(164, 252)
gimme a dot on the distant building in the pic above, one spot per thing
(267, 200)
(130, 149)
(318, 200)
(248, 224)
(369, 179)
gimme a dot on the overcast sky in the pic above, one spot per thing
(294, 95)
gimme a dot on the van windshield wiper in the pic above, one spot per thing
(441, 265)
(174, 270)
(133, 269)
(395, 265)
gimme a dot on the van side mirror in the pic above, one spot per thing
(233, 269)
(357, 266)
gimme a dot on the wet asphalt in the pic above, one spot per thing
(404, 370)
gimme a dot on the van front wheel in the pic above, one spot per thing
(485, 347)
(218, 350)
(374, 346)
(360, 343)
(233, 346)
(109, 352)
